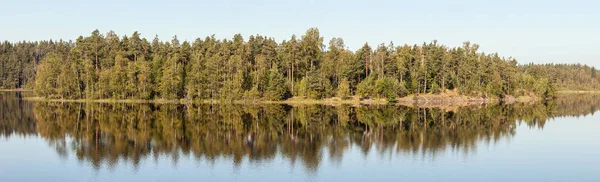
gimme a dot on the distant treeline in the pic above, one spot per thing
(568, 76)
(108, 66)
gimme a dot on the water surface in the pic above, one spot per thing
(553, 141)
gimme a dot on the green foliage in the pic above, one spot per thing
(102, 87)
(301, 88)
(144, 80)
(387, 87)
(233, 85)
(366, 88)
(46, 82)
(106, 66)
(315, 86)
(566, 76)
(67, 82)
(319, 88)
(343, 90)
(277, 90)
(57, 79)
(435, 88)
(171, 79)
(118, 81)
(196, 78)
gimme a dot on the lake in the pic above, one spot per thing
(551, 141)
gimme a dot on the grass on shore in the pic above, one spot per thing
(15, 90)
(578, 91)
(445, 99)
(423, 100)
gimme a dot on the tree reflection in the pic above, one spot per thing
(108, 134)
(16, 116)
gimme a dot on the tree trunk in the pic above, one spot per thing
(443, 83)
(292, 81)
(425, 86)
(366, 66)
(96, 63)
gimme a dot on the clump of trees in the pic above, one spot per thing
(567, 76)
(130, 67)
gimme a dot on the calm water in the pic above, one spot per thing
(556, 141)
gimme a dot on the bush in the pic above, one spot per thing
(365, 87)
(343, 90)
(387, 87)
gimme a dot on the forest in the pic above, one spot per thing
(107, 66)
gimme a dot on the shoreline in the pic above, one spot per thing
(15, 90)
(422, 101)
(446, 100)
(442, 100)
(578, 92)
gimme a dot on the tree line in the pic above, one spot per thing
(130, 67)
(568, 76)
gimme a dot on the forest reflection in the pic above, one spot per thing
(107, 134)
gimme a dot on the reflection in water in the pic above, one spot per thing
(16, 115)
(107, 134)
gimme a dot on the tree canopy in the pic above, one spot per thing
(101, 66)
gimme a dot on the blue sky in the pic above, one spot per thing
(539, 31)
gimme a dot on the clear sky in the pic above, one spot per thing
(539, 31)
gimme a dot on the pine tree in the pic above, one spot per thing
(108, 66)
(171, 78)
(276, 89)
(47, 75)
(119, 85)
(66, 83)
(232, 86)
(196, 87)
(144, 79)
(365, 54)
(351, 69)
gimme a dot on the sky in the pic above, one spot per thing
(539, 31)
